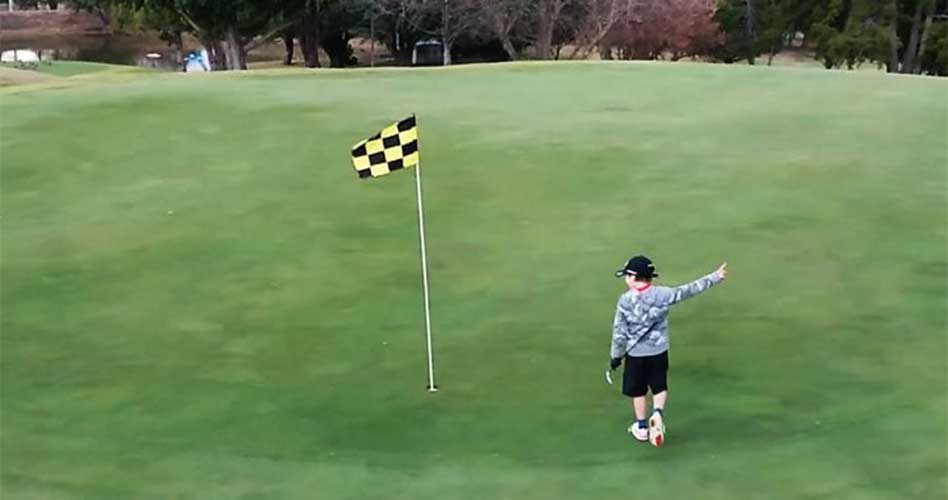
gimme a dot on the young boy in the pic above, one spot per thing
(640, 336)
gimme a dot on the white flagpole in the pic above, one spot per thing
(424, 277)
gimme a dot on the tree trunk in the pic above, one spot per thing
(337, 48)
(548, 18)
(749, 26)
(893, 64)
(445, 35)
(372, 41)
(921, 44)
(104, 16)
(605, 52)
(508, 46)
(544, 40)
(287, 36)
(908, 56)
(236, 57)
(178, 43)
(309, 37)
(501, 21)
(891, 18)
(446, 54)
(215, 54)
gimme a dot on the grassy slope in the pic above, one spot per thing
(72, 68)
(12, 76)
(52, 73)
(201, 301)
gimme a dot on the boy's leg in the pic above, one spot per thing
(639, 406)
(658, 400)
(635, 387)
(658, 382)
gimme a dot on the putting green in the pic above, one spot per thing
(201, 300)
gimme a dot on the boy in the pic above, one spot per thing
(640, 336)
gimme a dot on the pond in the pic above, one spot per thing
(145, 51)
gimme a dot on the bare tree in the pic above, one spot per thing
(458, 17)
(599, 17)
(447, 20)
(502, 16)
(548, 16)
(402, 16)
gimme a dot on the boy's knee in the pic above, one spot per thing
(636, 391)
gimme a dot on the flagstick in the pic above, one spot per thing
(424, 277)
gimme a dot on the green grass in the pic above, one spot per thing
(72, 68)
(10, 76)
(54, 70)
(67, 68)
(200, 300)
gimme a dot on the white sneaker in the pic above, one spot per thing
(656, 430)
(639, 433)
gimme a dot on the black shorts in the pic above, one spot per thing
(643, 373)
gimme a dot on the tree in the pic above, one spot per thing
(398, 24)
(101, 8)
(458, 17)
(744, 21)
(547, 15)
(772, 28)
(696, 33)
(447, 20)
(921, 16)
(933, 59)
(756, 27)
(338, 21)
(330, 25)
(933, 43)
(654, 28)
(502, 16)
(852, 32)
(308, 32)
(228, 29)
(596, 19)
(893, 33)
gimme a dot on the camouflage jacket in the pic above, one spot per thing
(641, 323)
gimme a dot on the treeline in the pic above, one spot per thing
(905, 36)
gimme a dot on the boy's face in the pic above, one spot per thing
(630, 280)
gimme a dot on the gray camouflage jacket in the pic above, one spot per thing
(641, 323)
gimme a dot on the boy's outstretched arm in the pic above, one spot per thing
(680, 293)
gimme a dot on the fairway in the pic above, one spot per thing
(201, 300)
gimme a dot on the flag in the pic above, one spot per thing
(394, 148)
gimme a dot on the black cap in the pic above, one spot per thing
(639, 266)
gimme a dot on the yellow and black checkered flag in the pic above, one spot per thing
(394, 148)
